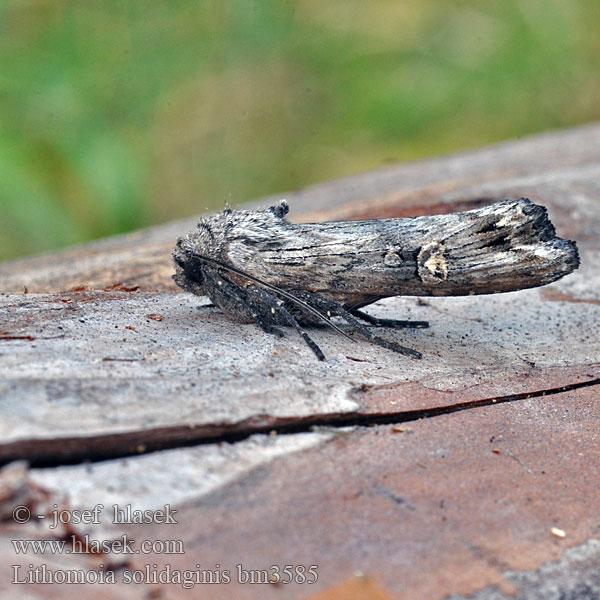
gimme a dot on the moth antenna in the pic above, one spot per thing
(275, 289)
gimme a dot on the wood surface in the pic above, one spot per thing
(472, 471)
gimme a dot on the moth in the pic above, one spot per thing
(257, 267)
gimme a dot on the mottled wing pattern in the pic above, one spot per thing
(507, 246)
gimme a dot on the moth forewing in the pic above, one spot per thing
(440, 255)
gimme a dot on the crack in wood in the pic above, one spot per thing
(53, 452)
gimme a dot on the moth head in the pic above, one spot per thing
(188, 269)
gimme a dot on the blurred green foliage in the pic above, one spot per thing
(115, 114)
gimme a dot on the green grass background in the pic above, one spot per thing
(116, 114)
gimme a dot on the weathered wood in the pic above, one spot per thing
(229, 379)
(490, 440)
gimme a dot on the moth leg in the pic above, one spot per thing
(248, 306)
(333, 307)
(388, 322)
(266, 327)
(277, 306)
(292, 321)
